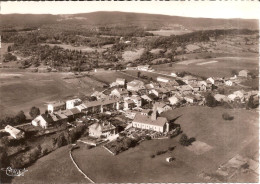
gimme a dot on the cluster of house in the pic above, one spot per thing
(140, 102)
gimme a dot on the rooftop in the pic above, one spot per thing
(160, 121)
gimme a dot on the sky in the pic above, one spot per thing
(246, 9)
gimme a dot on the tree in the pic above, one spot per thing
(252, 103)
(34, 112)
(234, 72)
(20, 117)
(211, 101)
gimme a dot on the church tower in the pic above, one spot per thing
(154, 114)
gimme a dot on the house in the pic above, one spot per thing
(211, 80)
(185, 89)
(56, 106)
(82, 108)
(190, 99)
(195, 87)
(163, 79)
(72, 103)
(99, 95)
(62, 117)
(158, 124)
(240, 94)
(130, 114)
(148, 98)
(102, 105)
(243, 73)
(160, 92)
(135, 85)
(146, 112)
(162, 107)
(129, 104)
(143, 67)
(220, 97)
(43, 120)
(173, 74)
(120, 81)
(119, 92)
(102, 129)
(228, 83)
(203, 85)
(174, 100)
(188, 79)
(14, 132)
(136, 99)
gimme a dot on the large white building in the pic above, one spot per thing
(70, 104)
(158, 124)
(56, 106)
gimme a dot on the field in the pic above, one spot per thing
(169, 32)
(213, 67)
(225, 139)
(132, 55)
(55, 167)
(20, 90)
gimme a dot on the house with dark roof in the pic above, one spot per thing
(119, 92)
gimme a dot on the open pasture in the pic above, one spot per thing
(169, 32)
(221, 67)
(20, 90)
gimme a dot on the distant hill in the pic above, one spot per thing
(147, 21)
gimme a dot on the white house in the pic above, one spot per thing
(158, 124)
(162, 107)
(72, 103)
(103, 129)
(228, 83)
(173, 74)
(14, 132)
(120, 81)
(43, 121)
(174, 100)
(56, 106)
(210, 79)
(119, 92)
(220, 97)
(190, 99)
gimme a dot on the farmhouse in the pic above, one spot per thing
(243, 73)
(135, 85)
(228, 82)
(99, 95)
(102, 129)
(129, 104)
(72, 103)
(185, 89)
(162, 107)
(130, 114)
(43, 121)
(56, 106)
(136, 99)
(81, 107)
(188, 79)
(120, 81)
(174, 100)
(119, 92)
(14, 132)
(190, 98)
(158, 124)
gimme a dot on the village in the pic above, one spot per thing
(133, 109)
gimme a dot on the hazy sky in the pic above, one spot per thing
(218, 9)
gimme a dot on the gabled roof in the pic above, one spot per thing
(160, 121)
(47, 118)
(120, 80)
(75, 111)
(102, 126)
(160, 104)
